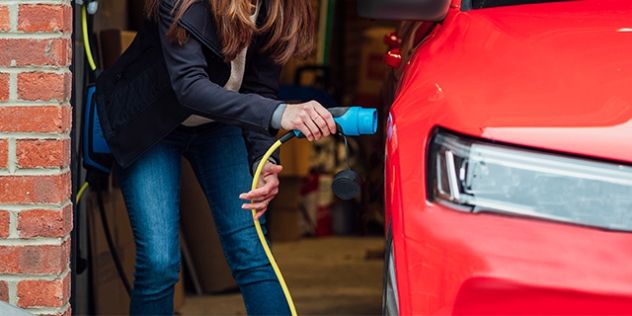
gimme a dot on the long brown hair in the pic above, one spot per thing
(289, 26)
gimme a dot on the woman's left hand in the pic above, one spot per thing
(267, 189)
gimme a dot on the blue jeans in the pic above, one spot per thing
(151, 189)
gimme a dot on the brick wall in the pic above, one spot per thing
(35, 178)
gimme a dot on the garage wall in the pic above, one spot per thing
(35, 179)
(351, 28)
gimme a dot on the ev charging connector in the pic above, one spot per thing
(350, 121)
(353, 121)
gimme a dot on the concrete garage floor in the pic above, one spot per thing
(326, 276)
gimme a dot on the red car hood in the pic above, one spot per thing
(556, 76)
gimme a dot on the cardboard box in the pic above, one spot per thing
(201, 236)
(283, 215)
(295, 157)
(109, 295)
(289, 195)
(283, 224)
(111, 14)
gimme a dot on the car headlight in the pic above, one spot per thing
(476, 176)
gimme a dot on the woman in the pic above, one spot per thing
(199, 81)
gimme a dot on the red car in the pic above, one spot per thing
(509, 159)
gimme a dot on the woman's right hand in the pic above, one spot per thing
(311, 118)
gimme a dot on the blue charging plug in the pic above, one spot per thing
(352, 121)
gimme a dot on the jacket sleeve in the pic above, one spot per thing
(187, 66)
(261, 76)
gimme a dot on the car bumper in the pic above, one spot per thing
(451, 262)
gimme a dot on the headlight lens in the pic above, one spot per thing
(475, 176)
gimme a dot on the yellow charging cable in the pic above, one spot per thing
(83, 189)
(262, 238)
(86, 41)
(93, 66)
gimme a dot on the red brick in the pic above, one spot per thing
(45, 223)
(5, 221)
(35, 119)
(44, 18)
(43, 259)
(34, 189)
(43, 293)
(9, 255)
(33, 153)
(4, 291)
(52, 52)
(4, 153)
(33, 86)
(40, 259)
(4, 86)
(5, 18)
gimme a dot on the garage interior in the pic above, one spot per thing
(330, 251)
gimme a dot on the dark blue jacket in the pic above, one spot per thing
(155, 85)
